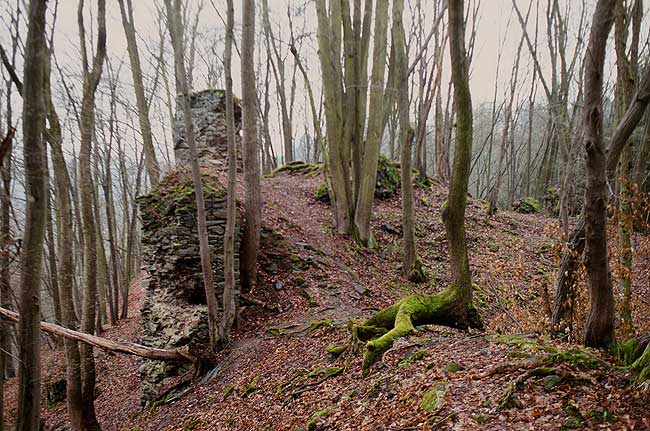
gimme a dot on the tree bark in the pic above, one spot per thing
(251, 235)
(599, 328)
(86, 186)
(564, 288)
(329, 41)
(412, 266)
(151, 162)
(228, 316)
(176, 35)
(362, 229)
(454, 213)
(66, 265)
(175, 355)
(29, 393)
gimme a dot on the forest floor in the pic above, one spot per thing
(275, 374)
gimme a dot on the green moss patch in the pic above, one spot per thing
(433, 398)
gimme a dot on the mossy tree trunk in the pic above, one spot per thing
(66, 265)
(329, 50)
(626, 77)
(454, 213)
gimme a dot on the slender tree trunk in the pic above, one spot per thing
(132, 222)
(375, 132)
(329, 39)
(151, 162)
(176, 34)
(229, 311)
(66, 264)
(412, 265)
(641, 166)
(29, 393)
(599, 328)
(86, 187)
(52, 262)
(624, 91)
(251, 235)
(454, 213)
(5, 276)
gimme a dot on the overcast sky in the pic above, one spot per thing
(498, 30)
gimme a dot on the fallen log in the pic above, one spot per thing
(175, 355)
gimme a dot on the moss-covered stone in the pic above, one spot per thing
(315, 324)
(578, 358)
(250, 387)
(433, 398)
(337, 351)
(527, 205)
(298, 167)
(323, 193)
(228, 392)
(412, 357)
(312, 425)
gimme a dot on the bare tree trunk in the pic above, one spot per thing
(176, 33)
(251, 235)
(599, 328)
(66, 264)
(29, 393)
(153, 169)
(229, 311)
(130, 240)
(86, 186)
(5, 276)
(623, 131)
(641, 166)
(362, 229)
(626, 78)
(52, 262)
(412, 266)
(329, 41)
(277, 64)
(128, 348)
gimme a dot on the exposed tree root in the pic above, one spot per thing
(575, 358)
(509, 399)
(400, 319)
(636, 353)
(416, 273)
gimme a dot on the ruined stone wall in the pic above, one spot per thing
(174, 310)
(209, 116)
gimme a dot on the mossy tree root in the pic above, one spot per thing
(636, 354)
(416, 273)
(400, 319)
(642, 367)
